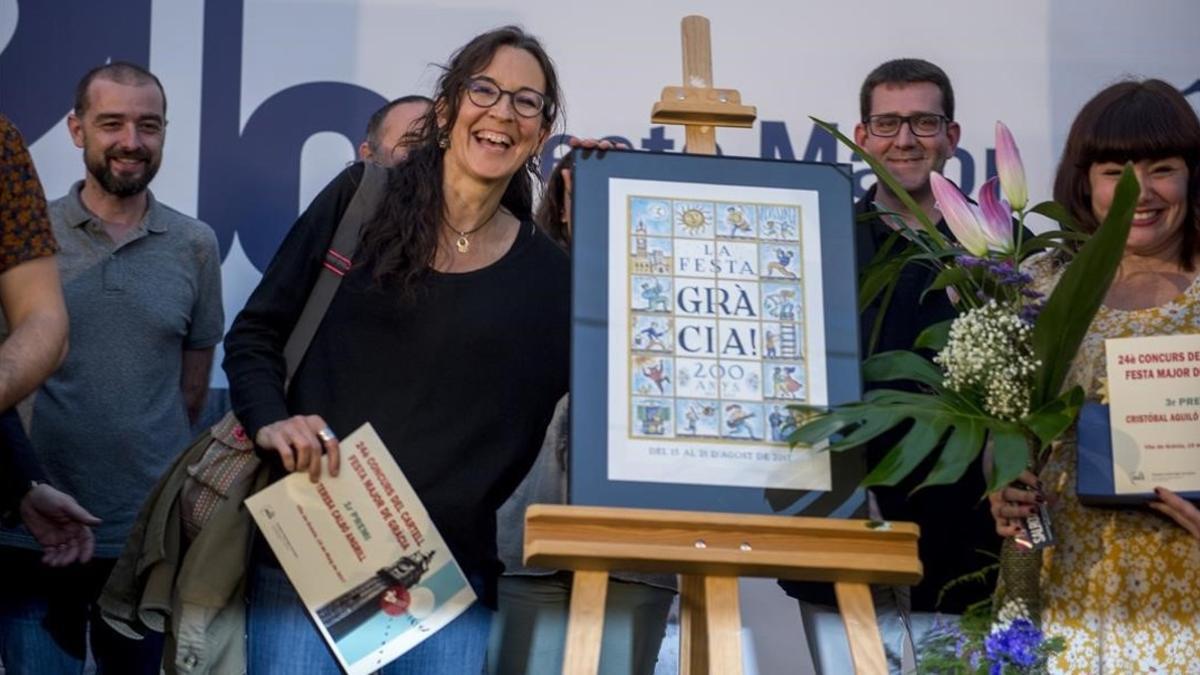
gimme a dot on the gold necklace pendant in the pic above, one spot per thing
(462, 244)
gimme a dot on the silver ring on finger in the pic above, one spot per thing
(326, 435)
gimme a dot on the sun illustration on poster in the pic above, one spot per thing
(693, 220)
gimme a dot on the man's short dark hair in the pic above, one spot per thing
(906, 71)
(378, 116)
(121, 72)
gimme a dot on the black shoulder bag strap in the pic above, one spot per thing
(337, 262)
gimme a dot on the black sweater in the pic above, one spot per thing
(460, 384)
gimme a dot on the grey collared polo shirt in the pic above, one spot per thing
(108, 423)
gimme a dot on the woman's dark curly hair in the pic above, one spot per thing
(400, 241)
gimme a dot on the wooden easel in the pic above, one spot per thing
(711, 550)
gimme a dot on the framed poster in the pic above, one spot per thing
(709, 295)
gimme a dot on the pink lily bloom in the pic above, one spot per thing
(1010, 168)
(961, 217)
(995, 215)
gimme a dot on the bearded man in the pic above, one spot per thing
(142, 284)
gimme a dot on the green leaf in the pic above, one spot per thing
(1051, 420)
(884, 253)
(982, 577)
(947, 277)
(871, 427)
(875, 279)
(934, 337)
(902, 365)
(884, 269)
(1010, 456)
(1071, 307)
(932, 415)
(962, 447)
(938, 255)
(884, 176)
(884, 304)
(908, 453)
(883, 397)
(809, 410)
(820, 428)
(1056, 212)
(1054, 239)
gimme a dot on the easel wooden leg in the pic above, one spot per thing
(710, 626)
(858, 613)
(724, 622)
(693, 626)
(585, 624)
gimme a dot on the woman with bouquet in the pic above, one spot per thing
(1122, 586)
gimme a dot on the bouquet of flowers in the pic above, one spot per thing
(998, 369)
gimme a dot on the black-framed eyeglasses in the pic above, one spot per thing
(920, 124)
(485, 93)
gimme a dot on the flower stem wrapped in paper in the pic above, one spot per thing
(997, 373)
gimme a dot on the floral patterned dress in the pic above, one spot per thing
(1121, 586)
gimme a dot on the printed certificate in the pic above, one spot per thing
(363, 554)
(716, 326)
(1154, 394)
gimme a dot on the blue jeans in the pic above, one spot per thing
(48, 616)
(530, 630)
(282, 638)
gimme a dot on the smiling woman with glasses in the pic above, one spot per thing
(429, 338)
(921, 124)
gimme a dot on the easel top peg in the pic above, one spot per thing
(697, 103)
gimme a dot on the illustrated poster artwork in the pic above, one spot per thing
(715, 330)
(365, 558)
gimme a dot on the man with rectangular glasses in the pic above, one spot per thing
(907, 123)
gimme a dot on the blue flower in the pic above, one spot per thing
(1016, 644)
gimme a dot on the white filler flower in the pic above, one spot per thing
(990, 353)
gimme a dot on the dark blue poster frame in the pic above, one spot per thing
(588, 467)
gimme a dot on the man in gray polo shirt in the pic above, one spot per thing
(142, 284)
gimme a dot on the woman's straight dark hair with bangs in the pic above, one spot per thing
(1128, 122)
(400, 241)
